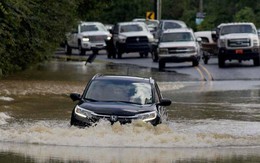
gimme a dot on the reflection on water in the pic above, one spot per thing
(208, 122)
(41, 153)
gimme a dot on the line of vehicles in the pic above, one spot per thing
(168, 41)
(124, 99)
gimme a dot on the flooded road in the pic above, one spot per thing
(216, 121)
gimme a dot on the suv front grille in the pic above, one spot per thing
(180, 50)
(141, 39)
(99, 38)
(239, 42)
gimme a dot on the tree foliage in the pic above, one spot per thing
(31, 30)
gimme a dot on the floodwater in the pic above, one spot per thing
(217, 121)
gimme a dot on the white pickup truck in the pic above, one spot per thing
(87, 36)
(237, 41)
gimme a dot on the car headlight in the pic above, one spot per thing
(191, 50)
(222, 43)
(85, 39)
(83, 112)
(147, 116)
(163, 51)
(109, 37)
(255, 43)
(122, 39)
(151, 38)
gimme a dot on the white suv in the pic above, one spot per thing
(87, 36)
(177, 45)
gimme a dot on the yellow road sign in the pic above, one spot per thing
(150, 15)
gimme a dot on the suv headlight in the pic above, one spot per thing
(147, 116)
(85, 39)
(163, 51)
(122, 39)
(151, 38)
(222, 43)
(109, 37)
(83, 112)
(255, 42)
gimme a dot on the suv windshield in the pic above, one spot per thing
(171, 25)
(237, 29)
(177, 37)
(92, 27)
(120, 91)
(131, 28)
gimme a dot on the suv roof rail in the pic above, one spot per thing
(97, 75)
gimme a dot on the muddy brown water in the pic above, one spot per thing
(217, 121)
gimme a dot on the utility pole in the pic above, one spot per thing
(201, 6)
(155, 8)
(158, 9)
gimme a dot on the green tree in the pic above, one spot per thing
(245, 15)
(31, 30)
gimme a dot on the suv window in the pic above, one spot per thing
(177, 37)
(131, 28)
(171, 25)
(109, 90)
(237, 29)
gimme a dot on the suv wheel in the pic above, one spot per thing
(68, 49)
(81, 50)
(195, 63)
(221, 61)
(155, 56)
(257, 61)
(118, 51)
(161, 65)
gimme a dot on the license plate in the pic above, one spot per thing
(239, 51)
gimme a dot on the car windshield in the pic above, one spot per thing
(92, 27)
(171, 25)
(237, 29)
(131, 28)
(120, 91)
(177, 37)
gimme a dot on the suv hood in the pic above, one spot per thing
(117, 108)
(94, 33)
(238, 35)
(177, 44)
(138, 34)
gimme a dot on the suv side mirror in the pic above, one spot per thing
(75, 96)
(165, 102)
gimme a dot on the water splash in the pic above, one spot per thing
(207, 133)
(3, 118)
(4, 98)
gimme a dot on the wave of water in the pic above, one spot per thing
(3, 118)
(206, 133)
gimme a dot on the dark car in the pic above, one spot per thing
(119, 99)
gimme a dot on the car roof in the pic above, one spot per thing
(130, 23)
(236, 23)
(90, 23)
(123, 77)
(182, 23)
(144, 20)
